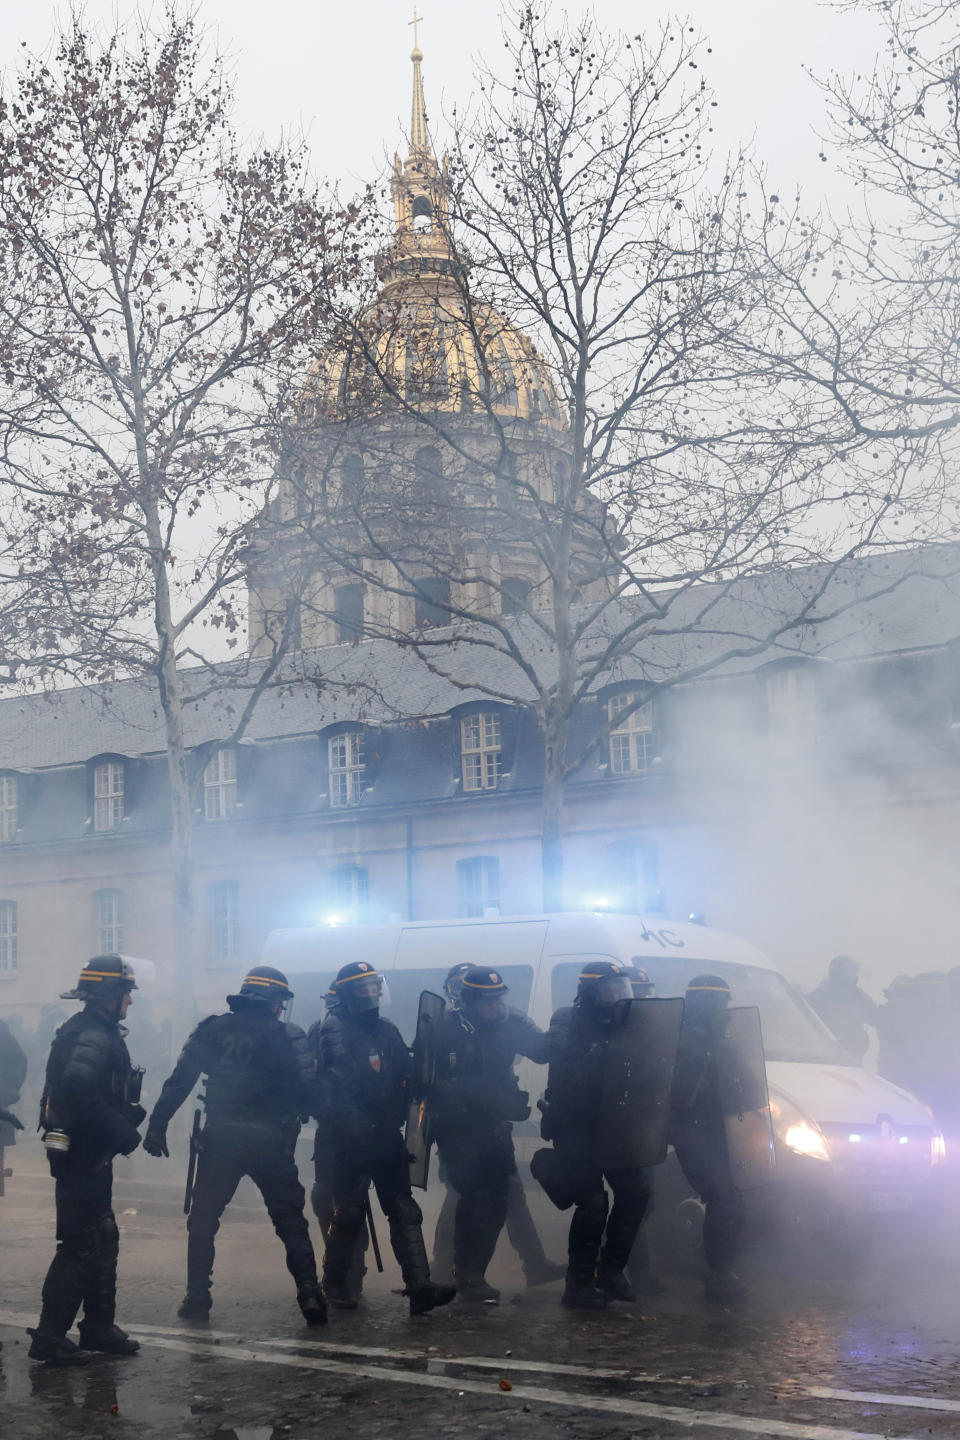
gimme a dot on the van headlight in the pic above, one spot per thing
(938, 1148)
(797, 1131)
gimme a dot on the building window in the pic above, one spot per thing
(8, 808)
(515, 595)
(223, 909)
(478, 884)
(631, 737)
(108, 921)
(632, 874)
(350, 890)
(432, 601)
(348, 612)
(108, 795)
(480, 750)
(9, 948)
(422, 214)
(345, 757)
(791, 705)
(220, 785)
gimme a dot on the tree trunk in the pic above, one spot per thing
(551, 838)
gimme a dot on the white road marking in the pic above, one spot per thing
(881, 1397)
(681, 1416)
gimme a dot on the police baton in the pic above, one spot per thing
(192, 1162)
(372, 1229)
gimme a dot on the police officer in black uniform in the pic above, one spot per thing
(260, 1084)
(475, 1100)
(579, 1036)
(698, 1135)
(522, 1232)
(364, 1067)
(90, 1113)
(13, 1072)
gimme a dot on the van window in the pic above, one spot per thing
(406, 986)
(791, 1030)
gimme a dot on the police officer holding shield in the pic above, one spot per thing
(364, 1069)
(698, 1135)
(90, 1112)
(260, 1085)
(475, 1100)
(601, 1237)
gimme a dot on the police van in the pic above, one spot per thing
(848, 1143)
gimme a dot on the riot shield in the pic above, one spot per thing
(418, 1137)
(638, 1076)
(742, 1083)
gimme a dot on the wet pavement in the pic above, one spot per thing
(815, 1356)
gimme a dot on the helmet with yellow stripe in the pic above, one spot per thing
(105, 977)
(262, 985)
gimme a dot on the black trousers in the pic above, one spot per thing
(386, 1166)
(601, 1236)
(521, 1229)
(227, 1154)
(84, 1268)
(323, 1203)
(479, 1165)
(702, 1154)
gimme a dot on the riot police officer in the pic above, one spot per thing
(475, 1100)
(260, 1084)
(90, 1112)
(521, 1229)
(13, 1072)
(364, 1067)
(698, 1135)
(601, 1237)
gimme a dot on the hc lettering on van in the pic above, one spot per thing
(662, 937)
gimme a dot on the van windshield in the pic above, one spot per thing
(791, 1030)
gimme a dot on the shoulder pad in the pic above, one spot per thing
(207, 1024)
(294, 1032)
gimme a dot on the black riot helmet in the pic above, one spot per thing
(482, 993)
(640, 981)
(358, 988)
(602, 985)
(105, 977)
(706, 996)
(261, 986)
(453, 984)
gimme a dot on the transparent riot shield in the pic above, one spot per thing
(418, 1137)
(742, 1082)
(637, 1080)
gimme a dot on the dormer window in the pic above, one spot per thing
(480, 750)
(108, 788)
(9, 808)
(345, 759)
(220, 785)
(631, 735)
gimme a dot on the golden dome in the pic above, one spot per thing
(423, 342)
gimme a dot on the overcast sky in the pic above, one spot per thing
(342, 72)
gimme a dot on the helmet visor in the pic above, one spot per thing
(363, 992)
(613, 988)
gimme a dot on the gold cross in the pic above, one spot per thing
(417, 20)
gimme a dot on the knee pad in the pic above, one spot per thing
(405, 1211)
(107, 1234)
(349, 1215)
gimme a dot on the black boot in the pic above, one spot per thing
(52, 1349)
(429, 1297)
(312, 1304)
(109, 1339)
(586, 1233)
(475, 1289)
(615, 1285)
(195, 1305)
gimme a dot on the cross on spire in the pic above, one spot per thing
(416, 22)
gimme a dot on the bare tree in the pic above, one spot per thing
(157, 288)
(537, 524)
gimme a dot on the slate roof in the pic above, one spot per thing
(903, 601)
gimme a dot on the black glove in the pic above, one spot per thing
(11, 1119)
(130, 1144)
(155, 1141)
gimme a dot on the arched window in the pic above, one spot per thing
(345, 760)
(348, 612)
(431, 602)
(515, 595)
(220, 785)
(108, 921)
(223, 921)
(9, 938)
(108, 788)
(9, 808)
(422, 214)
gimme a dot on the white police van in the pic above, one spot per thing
(848, 1142)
